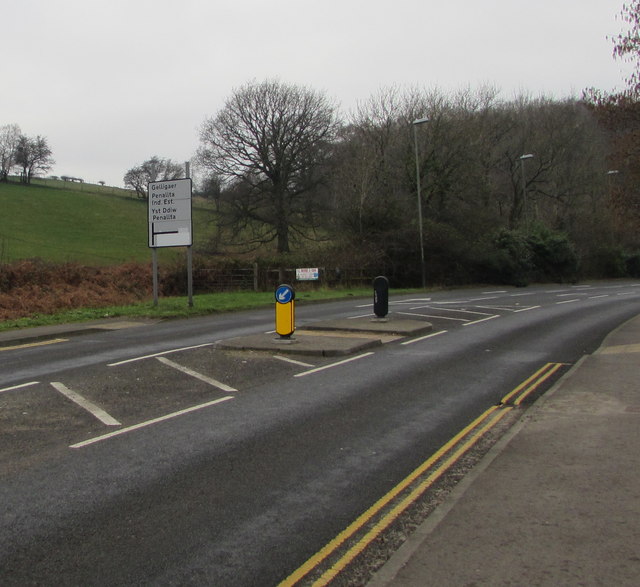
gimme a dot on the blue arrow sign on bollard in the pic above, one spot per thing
(284, 294)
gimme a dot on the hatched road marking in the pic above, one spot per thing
(192, 373)
(86, 404)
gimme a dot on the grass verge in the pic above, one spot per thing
(177, 307)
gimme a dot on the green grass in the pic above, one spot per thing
(177, 307)
(90, 224)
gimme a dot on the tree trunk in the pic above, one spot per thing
(283, 237)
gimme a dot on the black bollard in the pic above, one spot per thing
(381, 296)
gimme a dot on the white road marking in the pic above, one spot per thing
(304, 373)
(150, 422)
(84, 403)
(424, 337)
(433, 316)
(463, 311)
(458, 302)
(356, 317)
(481, 320)
(568, 301)
(186, 348)
(526, 309)
(293, 361)
(600, 296)
(19, 386)
(410, 301)
(195, 374)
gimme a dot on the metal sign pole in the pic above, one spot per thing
(187, 169)
(154, 263)
(190, 276)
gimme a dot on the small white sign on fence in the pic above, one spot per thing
(308, 274)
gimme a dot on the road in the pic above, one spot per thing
(149, 456)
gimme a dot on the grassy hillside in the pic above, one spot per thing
(89, 224)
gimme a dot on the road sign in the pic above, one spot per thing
(170, 213)
(284, 294)
(307, 274)
(285, 310)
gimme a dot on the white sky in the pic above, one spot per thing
(110, 83)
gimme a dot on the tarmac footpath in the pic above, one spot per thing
(556, 501)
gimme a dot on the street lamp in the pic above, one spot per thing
(610, 175)
(524, 182)
(415, 123)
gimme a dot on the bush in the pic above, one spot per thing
(632, 262)
(511, 260)
(554, 257)
(607, 262)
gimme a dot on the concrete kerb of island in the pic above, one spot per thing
(332, 338)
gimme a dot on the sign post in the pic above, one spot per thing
(170, 223)
(285, 311)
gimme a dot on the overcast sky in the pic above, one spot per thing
(110, 83)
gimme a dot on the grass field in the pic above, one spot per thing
(90, 224)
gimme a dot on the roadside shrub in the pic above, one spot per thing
(511, 260)
(553, 256)
(632, 262)
(606, 262)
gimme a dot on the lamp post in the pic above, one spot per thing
(415, 123)
(524, 182)
(610, 175)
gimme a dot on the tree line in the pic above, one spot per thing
(479, 187)
(510, 190)
(31, 155)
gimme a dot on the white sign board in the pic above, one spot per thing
(307, 274)
(170, 213)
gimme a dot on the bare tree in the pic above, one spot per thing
(368, 180)
(269, 145)
(9, 136)
(154, 169)
(33, 155)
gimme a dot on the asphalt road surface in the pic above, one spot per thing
(149, 456)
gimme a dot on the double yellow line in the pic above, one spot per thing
(492, 416)
(447, 456)
(528, 386)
